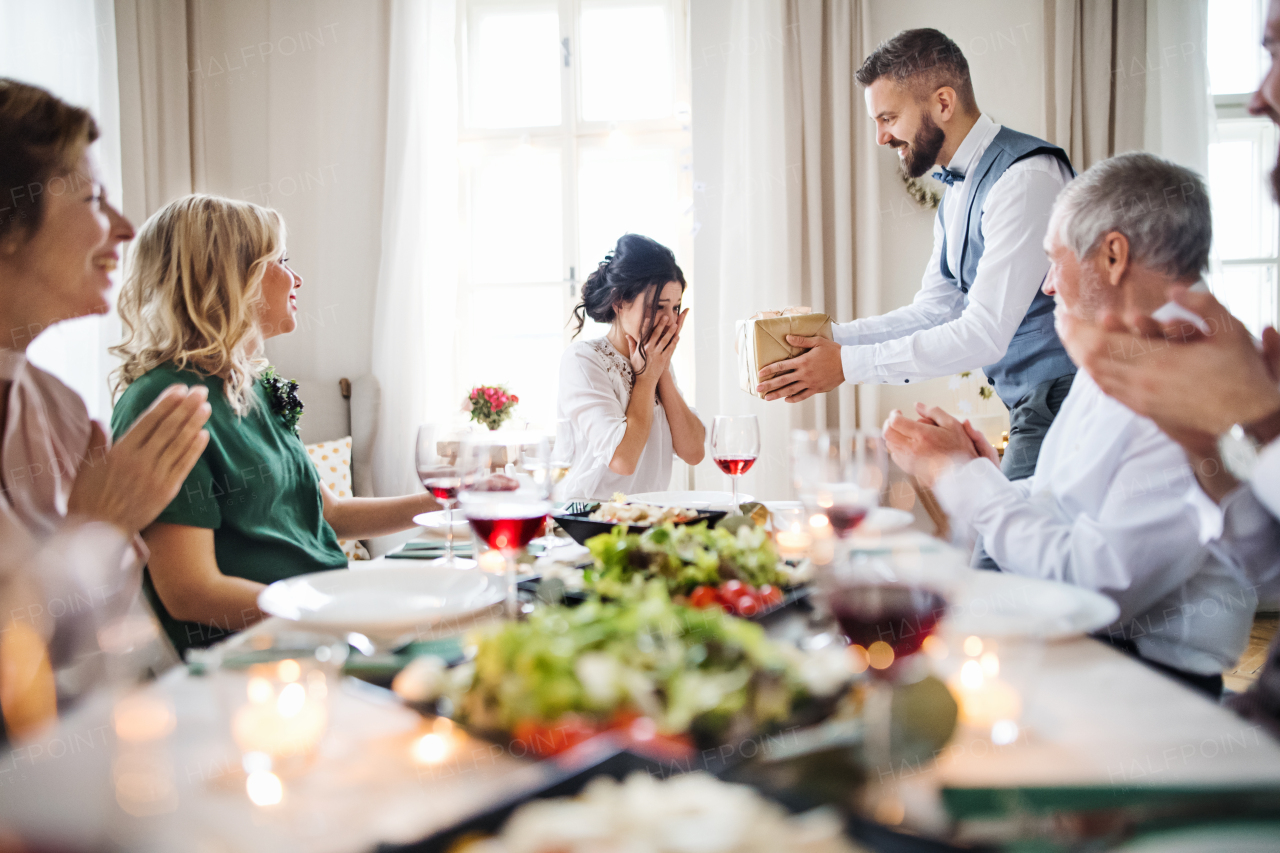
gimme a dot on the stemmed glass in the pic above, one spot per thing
(886, 607)
(839, 474)
(561, 456)
(505, 493)
(436, 457)
(735, 446)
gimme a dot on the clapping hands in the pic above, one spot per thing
(931, 445)
(130, 483)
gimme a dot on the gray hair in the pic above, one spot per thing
(1161, 207)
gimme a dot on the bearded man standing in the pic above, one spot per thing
(979, 304)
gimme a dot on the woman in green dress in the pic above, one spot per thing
(208, 283)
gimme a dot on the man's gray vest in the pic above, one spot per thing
(1035, 355)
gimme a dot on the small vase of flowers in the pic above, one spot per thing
(491, 405)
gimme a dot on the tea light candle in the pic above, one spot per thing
(793, 544)
(283, 717)
(986, 701)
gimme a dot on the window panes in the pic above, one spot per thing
(622, 188)
(1244, 214)
(514, 62)
(515, 340)
(516, 230)
(1236, 58)
(626, 49)
(561, 152)
(1249, 292)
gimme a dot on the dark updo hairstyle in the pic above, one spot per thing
(634, 266)
(41, 138)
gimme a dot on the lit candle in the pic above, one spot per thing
(283, 717)
(793, 544)
(986, 701)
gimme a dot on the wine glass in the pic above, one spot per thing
(505, 493)
(436, 457)
(562, 453)
(561, 456)
(735, 446)
(839, 474)
(886, 607)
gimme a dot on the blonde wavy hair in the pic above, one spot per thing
(193, 292)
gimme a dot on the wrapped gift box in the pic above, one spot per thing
(762, 340)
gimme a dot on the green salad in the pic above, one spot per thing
(692, 671)
(683, 557)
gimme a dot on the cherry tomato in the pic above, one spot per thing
(704, 596)
(770, 596)
(747, 605)
(730, 590)
(544, 740)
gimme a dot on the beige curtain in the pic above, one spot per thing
(826, 128)
(155, 104)
(1095, 77)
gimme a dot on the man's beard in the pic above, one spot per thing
(921, 155)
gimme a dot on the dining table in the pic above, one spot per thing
(156, 767)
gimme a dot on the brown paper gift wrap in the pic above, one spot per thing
(762, 340)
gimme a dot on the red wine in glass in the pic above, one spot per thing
(443, 489)
(901, 615)
(735, 466)
(508, 527)
(845, 517)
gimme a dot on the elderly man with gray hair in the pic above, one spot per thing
(1105, 508)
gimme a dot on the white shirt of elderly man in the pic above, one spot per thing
(1106, 508)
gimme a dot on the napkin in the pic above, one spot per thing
(762, 340)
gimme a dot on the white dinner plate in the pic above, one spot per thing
(385, 604)
(438, 520)
(883, 519)
(999, 604)
(691, 500)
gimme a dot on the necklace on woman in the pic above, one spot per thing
(283, 394)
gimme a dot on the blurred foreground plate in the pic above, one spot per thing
(438, 520)
(385, 604)
(999, 604)
(692, 500)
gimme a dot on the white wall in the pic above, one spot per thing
(289, 110)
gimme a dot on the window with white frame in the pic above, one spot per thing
(574, 130)
(1246, 229)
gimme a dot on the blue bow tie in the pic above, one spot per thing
(949, 176)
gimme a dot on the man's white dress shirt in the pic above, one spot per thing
(1245, 528)
(1106, 510)
(937, 334)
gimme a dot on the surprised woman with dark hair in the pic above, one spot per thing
(618, 392)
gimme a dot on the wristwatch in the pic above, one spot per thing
(1240, 445)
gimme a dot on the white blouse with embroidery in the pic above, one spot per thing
(595, 390)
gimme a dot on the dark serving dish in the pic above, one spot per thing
(795, 598)
(605, 757)
(582, 528)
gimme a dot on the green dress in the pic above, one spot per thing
(254, 487)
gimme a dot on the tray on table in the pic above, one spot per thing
(603, 756)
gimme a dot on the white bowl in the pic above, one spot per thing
(386, 604)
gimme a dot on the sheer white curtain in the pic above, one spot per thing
(796, 206)
(1179, 108)
(69, 48)
(754, 270)
(414, 316)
